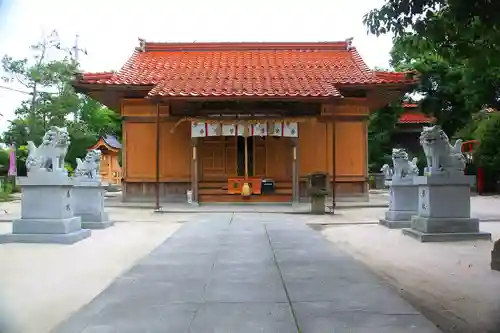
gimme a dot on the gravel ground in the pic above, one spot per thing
(451, 283)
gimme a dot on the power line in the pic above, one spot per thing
(16, 90)
(26, 92)
(74, 52)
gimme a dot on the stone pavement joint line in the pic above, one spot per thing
(284, 284)
(247, 273)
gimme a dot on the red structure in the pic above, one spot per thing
(409, 126)
(468, 150)
(413, 115)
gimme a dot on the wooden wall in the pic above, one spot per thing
(349, 127)
(315, 151)
(139, 158)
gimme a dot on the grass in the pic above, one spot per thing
(4, 196)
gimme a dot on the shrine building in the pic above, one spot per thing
(209, 117)
(110, 169)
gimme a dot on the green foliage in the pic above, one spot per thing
(382, 125)
(4, 161)
(5, 196)
(21, 155)
(7, 187)
(53, 101)
(69, 168)
(454, 44)
(488, 151)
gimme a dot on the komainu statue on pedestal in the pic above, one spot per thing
(387, 171)
(440, 154)
(403, 167)
(49, 156)
(90, 166)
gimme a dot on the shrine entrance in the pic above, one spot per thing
(227, 162)
(242, 161)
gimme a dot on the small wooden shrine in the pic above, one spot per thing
(110, 147)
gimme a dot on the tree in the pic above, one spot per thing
(454, 44)
(47, 76)
(4, 161)
(47, 82)
(447, 96)
(381, 126)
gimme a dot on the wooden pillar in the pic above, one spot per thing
(295, 171)
(123, 151)
(110, 168)
(157, 178)
(367, 175)
(194, 168)
(334, 173)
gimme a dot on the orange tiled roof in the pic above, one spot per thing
(246, 69)
(414, 116)
(410, 105)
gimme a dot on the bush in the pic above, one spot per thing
(4, 161)
(4, 196)
(381, 126)
(69, 168)
(488, 150)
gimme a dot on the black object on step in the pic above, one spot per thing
(267, 186)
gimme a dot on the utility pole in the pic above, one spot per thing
(74, 52)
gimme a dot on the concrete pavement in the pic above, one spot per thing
(247, 273)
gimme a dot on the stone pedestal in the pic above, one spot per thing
(443, 212)
(495, 256)
(46, 211)
(318, 204)
(403, 202)
(88, 203)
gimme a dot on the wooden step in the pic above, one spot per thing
(223, 185)
(221, 191)
(238, 198)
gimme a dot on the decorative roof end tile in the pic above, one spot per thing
(348, 42)
(142, 45)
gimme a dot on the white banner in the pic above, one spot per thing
(287, 129)
(291, 130)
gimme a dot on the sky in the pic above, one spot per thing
(109, 29)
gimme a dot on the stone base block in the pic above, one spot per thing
(61, 231)
(94, 217)
(432, 225)
(88, 203)
(46, 226)
(446, 236)
(97, 224)
(400, 215)
(495, 264)
(391, 224)
(96, 220)
(69, 238)
(495, 256)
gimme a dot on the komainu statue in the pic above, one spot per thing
(49, 156)
(403, 167)
(90, 166)
(387, 171)
(440, 154)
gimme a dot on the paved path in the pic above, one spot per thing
(239, 273)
